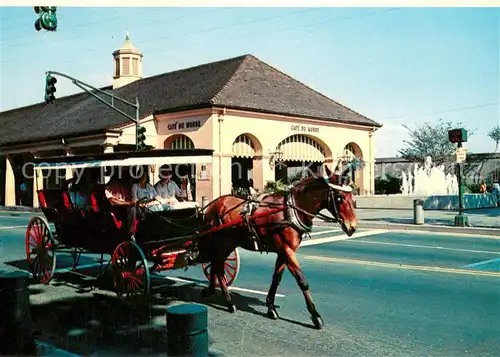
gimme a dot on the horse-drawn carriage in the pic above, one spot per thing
(178, 238)
(84, 222)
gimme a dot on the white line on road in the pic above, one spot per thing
(230, 288)
(428, 247)
(343, 237)
(325, 232)
(12, 227)
(475, 265)
(450, 234)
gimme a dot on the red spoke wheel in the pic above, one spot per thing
(40, 249)
(231, 269)
(132, 280)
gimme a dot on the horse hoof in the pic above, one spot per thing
(272, 314)
(318, 322)
(232, 309)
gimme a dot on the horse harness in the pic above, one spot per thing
(253, 202)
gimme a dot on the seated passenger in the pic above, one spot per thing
(118, 195)
(186, 193)
(166, 188)
(143, 189)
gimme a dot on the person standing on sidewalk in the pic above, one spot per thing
(24, 193)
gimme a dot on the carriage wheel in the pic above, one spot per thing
(231, 268)
(131, 274)
(40, 250)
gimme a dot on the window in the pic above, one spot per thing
(135, 66)
(126, 65)
(117, 67)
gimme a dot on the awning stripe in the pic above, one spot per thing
(301, 148)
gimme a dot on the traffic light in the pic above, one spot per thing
(457, 135)
(50, 89)
(47, 19)
(141, 138)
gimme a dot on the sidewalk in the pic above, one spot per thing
(481, 221)
(481, 218)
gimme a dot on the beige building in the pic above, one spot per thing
(261, 123)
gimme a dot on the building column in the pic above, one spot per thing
(371, 165)
(10, 183)
(108, 148)
(37, 185)
(69, 171)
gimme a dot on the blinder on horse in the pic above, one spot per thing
(335, 197)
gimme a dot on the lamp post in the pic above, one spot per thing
(459, 136)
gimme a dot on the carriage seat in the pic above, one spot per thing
(100, 204)
(54, 201)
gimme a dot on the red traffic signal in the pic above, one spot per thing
(457, 135)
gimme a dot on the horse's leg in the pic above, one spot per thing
(279, 268)
(210, 290)
(294, 267)
(225, 292)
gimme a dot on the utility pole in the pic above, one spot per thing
(459, 136)
(140, 136)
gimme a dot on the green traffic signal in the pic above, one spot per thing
(141, 138)
(50, 89)
(47, 19)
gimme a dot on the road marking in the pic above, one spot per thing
(402, 266)
(428, 247)
(13, 227)
(453, 234)
(343, 237)
(325, 232)
(481, 263)
(258, 292)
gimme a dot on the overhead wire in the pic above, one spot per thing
(290, 28)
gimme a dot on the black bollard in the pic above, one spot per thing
(16, 336)
(187, 330)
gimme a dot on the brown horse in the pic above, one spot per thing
(279, 222)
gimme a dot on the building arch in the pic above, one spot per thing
(246, 163)
(178, 141)
(302, 147)
(351, 152)
(246, 145)
(299, 153)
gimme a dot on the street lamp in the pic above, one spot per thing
(276, 158)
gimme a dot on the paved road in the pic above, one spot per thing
(381, 293)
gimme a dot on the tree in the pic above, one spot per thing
(431, 139)
(495, 135)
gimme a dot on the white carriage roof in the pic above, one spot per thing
(128, 158)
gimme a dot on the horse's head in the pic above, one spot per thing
(340, 203)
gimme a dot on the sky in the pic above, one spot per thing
(397, 66)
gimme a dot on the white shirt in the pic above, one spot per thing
(167, 190)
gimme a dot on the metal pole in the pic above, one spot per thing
(461, 220)
(136, 123)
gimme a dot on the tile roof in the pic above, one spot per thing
(242, 82)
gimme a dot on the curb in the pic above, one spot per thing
(423, 227)
(19, 209)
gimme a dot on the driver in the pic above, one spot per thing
(166, 187)
(143, 189)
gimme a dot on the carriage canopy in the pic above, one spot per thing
(128, 158)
